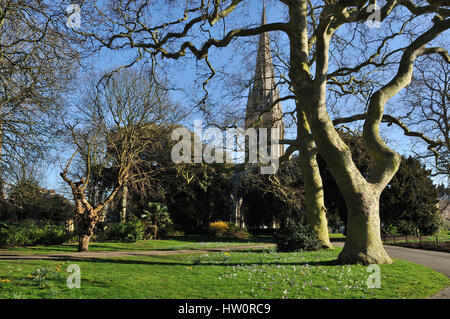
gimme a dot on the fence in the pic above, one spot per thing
(416, 241)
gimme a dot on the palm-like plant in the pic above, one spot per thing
(157, 216)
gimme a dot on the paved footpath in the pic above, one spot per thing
(438, 261)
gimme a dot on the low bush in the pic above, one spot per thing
(236, 232)
(230, 230)
(218, 229)
(31, 233)
(296, 237)
(128, 232)
(53, 235)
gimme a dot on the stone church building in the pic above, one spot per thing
(262, 110)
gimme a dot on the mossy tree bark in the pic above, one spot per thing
(124, 203)
(86, 214)
(363, 242)
(314, 200)
(87, 230)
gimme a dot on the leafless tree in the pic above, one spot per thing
(37, 60)
(113, 127)
(427, 110)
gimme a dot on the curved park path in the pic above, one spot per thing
(438, 261)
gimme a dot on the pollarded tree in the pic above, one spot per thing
(111, 129)
(331, 49)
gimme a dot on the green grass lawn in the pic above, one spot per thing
(173, 243)
(337, 236)
(245, 274)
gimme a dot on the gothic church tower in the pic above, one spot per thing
(263, 92)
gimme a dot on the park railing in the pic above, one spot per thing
(416, 241)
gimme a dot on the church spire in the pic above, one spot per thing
(263, 91)
(264, 65)
(264, 19)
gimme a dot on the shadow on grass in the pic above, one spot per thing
(123, 260)
(190, 240)
(190, 264)
(64, 249)
(69, 255)
(337, 239)
(110, 249)
(94, 247)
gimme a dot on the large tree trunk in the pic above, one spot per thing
(123, 208)
(87, 226)
(362, 197)
(363, 243)
(83, 244)
(315, 204)
(3, 205)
